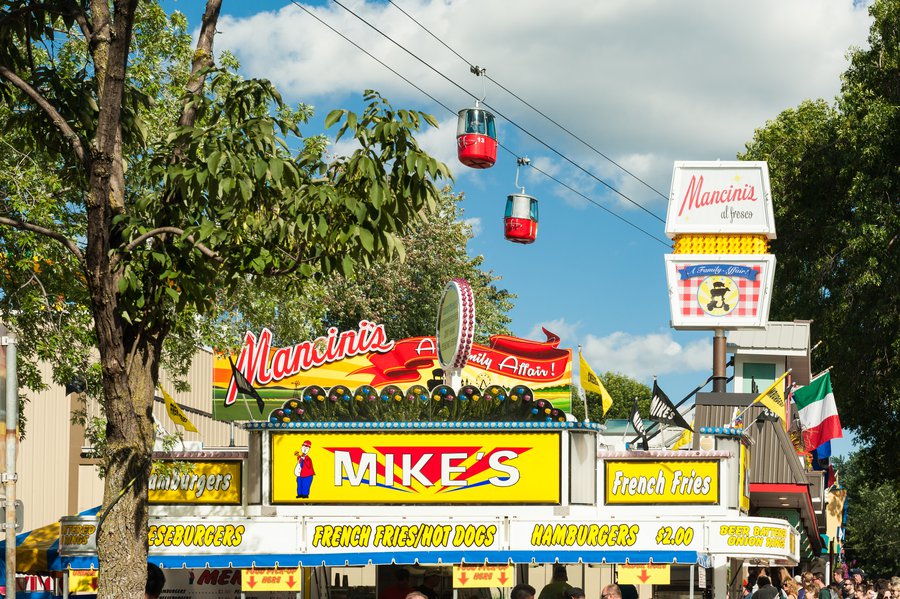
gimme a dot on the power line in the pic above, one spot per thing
(451, 111)
(509, 120)
(528, 104)
(666, 243)
(370, 55)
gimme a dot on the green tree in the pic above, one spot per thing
(873, 529)
(405, 297)
(623, 389)
(835, 172)
(164, 180)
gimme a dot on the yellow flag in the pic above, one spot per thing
(175, 413)
(773, 399)
(686, 438)
(591, 382)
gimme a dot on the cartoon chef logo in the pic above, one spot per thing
(717, 295)
(304, 470)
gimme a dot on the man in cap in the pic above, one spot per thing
(304, 470)
(558, 585)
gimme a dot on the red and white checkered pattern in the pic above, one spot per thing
(748, 295)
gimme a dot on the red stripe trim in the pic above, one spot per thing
(778, 488)
(783, 489)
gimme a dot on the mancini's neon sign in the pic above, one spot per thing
(261, 365)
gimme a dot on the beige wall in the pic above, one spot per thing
(55, 481)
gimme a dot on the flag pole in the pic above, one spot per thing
(821, 373)
(581, 391)
(625, 433)
(769, 388)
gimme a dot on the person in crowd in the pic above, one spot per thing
(522, 591)
(848, 589)
(611, 591)
(557, 585)
(858, 575)
(806, 579)
(430, 583)
(779, 577)
(819, 581)
(765, 589)
(400, 589)
(156, 580)
(790, 587)
(753, 575)
(573, 593)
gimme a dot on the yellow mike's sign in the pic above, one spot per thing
(410, 468)
(208, 482)
(662, 482)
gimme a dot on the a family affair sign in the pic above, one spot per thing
(367, 356)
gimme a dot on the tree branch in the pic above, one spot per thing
(212, 255)
(56, 118)
(203, 59)
(81, 19)
(24, 226)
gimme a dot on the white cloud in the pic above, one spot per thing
(644, 81)
(474, 223)
(642, 356)
(567, 331)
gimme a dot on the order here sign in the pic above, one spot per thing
(483, 576)
(271, 579)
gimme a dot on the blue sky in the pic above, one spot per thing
(645, 82)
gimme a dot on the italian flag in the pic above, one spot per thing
(818, 413)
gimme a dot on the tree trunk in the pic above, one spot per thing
(122, 539)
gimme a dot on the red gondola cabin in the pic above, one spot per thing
(521, 220)
(476, 138)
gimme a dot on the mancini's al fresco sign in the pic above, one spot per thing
(368, 357)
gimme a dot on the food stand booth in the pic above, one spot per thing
(448, 457)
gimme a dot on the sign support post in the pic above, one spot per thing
(720, 376)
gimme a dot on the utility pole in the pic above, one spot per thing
(8, 477)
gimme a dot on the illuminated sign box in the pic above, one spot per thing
(714, 291)
(669, 482)
(78, 535)
(196, 482)
(754, 538)
(720, 197)
(416, 468)
(367, 358)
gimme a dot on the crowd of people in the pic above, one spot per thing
(761, 583)
(780, 584)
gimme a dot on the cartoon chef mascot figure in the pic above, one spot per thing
(304, 470)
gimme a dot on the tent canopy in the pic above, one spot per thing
(37, 550)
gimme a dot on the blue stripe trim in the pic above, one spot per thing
(291, 560)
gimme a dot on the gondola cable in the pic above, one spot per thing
(450, 110)
(509, 120)
(528, 104)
